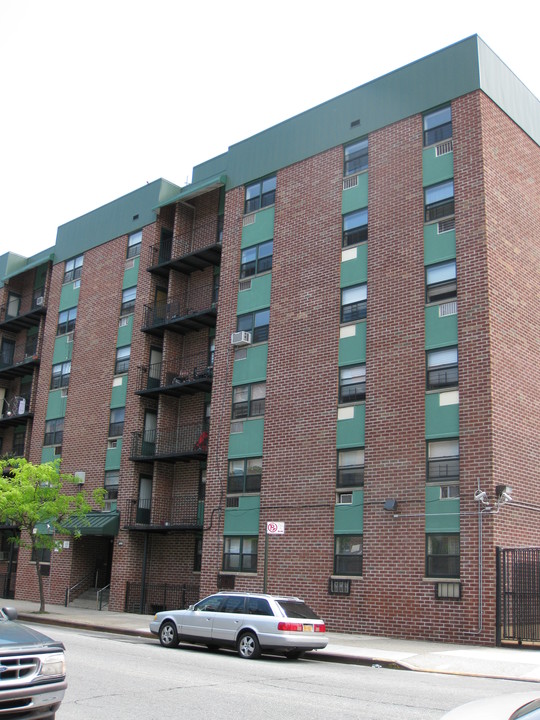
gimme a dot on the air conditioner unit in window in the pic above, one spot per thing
(39, 300)
(241, 338)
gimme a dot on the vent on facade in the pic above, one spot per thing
(64, 392)
(69, 337)
(39, 300)
(444, 148)
(241, 338)
(249, 219)
(344, 499)
(449, 308)
(58, 450)
(233, 502)
(237, 427)
(225, 582)
(130, 263)
(123, 321)
(446, 225)
(244, 285)
(77, 284)
(111, 444)
(448, 591)
(136, 217)
(350, 182)
(339, 587)
(355, 123)
(240, 353)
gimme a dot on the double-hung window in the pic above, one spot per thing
(352, 383)
(54, 432)
(244, 476)
(116, 423)
(128, 301)
(441, 282)
(350, 472)
(355, 227)
(443, 461)
(121, 364)
(348, 554)
(437, 126)
(439, 201)
(60, 375)
(134, 244)
(73, 269)
(354, 303)
(256, 259)
(111, 484)
(442, 556)
(257, 323)
(66, 321)
(442, 368)
(356, 157)
(248, 400)
(260, 194)
(240, 554)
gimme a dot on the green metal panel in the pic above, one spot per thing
(436, 169)
(41, 276)
(47, 454)
(56, 405)
(440, 331)
(438, 247)
(119, 392)
(243, 520)
(12, 264)
(441, 420)
(253, 368)
(350, 433)
(354, 271)
(69, 296)
(125, 332)
(200, 512)
(248, 443)
(131, 274)
(63, 350)
(260, 230)
(112, 459)
(349, 519)
(442, 516)
(355, 198)
(353, 349)
(257, 297)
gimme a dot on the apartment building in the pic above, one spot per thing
(311, 371)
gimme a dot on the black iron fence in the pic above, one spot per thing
(184, 510)
(186, 440)
(175, 372)
(148, 599)
(18, 353)
(518, 576)
(196, 300)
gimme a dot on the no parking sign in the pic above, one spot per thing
(275, 528)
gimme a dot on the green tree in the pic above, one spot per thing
(33, 497)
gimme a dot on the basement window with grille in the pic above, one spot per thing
(339, 587)
(448, 591)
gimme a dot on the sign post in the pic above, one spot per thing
(272, 528)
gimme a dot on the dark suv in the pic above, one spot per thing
(32, 671)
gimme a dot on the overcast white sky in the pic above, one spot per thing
(100, 97)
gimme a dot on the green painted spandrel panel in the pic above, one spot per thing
(349, 519)
(63, 350)
(440, 331)
(356, 197)
(125, 331)
(119, 392)
(354, 270)
(438, 246)
(442, 420)
(47, 454)
(243, 520)
(112, 459)
(56, 405)
(131, 273)
(69, 296)
(352, 349)
(350, 433)
(441, 515)
(261, 229)
(248, 443)
(253, 367)
(436, 169)
(257, 297)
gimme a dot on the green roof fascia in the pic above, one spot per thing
(12, 264)
(199, 188)
(436, 79)
(122, 216)
(94, 523)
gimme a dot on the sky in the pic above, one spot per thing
(98, 98)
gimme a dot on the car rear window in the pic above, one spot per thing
(258, 606)
(295, 609)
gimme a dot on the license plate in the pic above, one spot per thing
(308, 628)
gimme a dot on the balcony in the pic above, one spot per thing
(177, 253)
(175, 378)
(15, 411)
(23, 314)
(188, 442)
(196, 311)
(18, 359)
(182, 513)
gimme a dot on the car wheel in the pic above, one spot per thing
(168, 635)
(294, 654)
(248, 646)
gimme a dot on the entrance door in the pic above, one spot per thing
(154, 370)
(7, 352)
(149, 433)
(13, 306)
(144, 503)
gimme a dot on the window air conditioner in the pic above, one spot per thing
(241, 338)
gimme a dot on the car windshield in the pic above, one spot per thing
(530, 711)
(297, 609)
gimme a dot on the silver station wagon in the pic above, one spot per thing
(249, 622)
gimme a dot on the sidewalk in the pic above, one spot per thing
(423, 656)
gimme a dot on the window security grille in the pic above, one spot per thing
(244, 285)
(249, 219)
(237, 427)
(448, 591)
(447, 309)
(444, 148)
(350, 182)
(446, 226)
(339, 587)
(225, 582)
(233, 502)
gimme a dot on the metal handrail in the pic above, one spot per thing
(86, 578)
(99, 596)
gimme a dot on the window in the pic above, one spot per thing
(257, 323)
(355, 227)
(219, 234)
(134, 244)
(73, 268)
(19, 439)
(354, 303)
(244, 476)
(442, 368)
(352, 383)
(116, 423)
(128, 301)
(442, 556)
(350, 471)
(248, 400)
(7, 352)
(121, 364)
(348, 554)
(111, 484)
(260, 194)
(437, 126)
(54, 432)
(441, 284)
(439, 201)
(356, 157)
(43, 557)
(60, 375)
(66, 321)
(256, 259)
(197, 555)
(240, 554)
(443, 460)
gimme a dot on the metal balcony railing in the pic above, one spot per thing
(18, 359)
(179, 376)
(24, 312)
(184, 512)
(195, 310)
(178, 252)
(188, 442)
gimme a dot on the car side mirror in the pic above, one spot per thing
(10, 613)
(191, 607)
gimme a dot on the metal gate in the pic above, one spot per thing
(518, 595)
